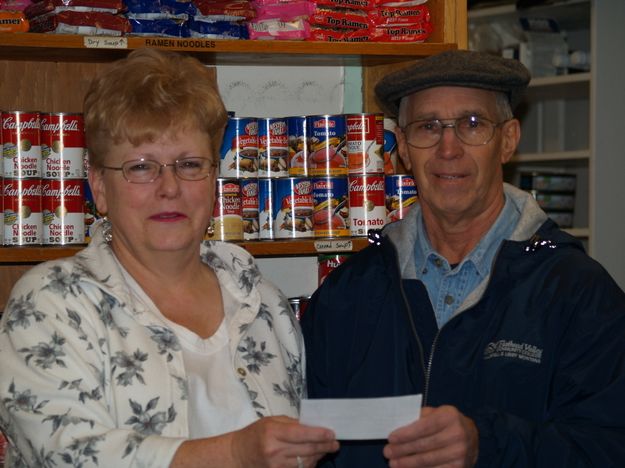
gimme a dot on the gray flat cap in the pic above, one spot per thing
(454, 68)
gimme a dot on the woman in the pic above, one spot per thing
(138, 351)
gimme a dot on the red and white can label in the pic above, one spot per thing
(298, 146)
(266, 195)
(249, 208)
(227, 214)
(62, 146)
(401, 193)
(366, 203)
(327, 145)
(273, 147)
(63, 211)
(239, 148)
(331, 207)
(21, 145)
(365, 143)
(293, 208)
(22, 211)
(326, 263)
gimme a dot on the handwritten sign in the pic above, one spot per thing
(334, 245)
(105, 42)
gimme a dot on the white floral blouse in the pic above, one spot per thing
(89, 377)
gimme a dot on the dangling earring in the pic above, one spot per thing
(210, 230)
(107, 230)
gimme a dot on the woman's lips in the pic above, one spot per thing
(174, 216)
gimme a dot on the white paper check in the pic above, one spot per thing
(361, 418)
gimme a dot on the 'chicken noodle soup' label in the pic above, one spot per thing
(63, 211)
(21, 145)
(22, 211)
(63, 147)
(227, 214)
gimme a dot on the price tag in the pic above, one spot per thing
(105, 42)
(334, 245)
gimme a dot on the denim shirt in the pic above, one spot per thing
(449, 287)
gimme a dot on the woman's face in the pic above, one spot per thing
(166, 215)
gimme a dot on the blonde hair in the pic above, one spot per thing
(148, 93)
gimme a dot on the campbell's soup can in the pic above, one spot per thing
(326, 263)
(22, 200)
(273, 147)
(327, 155)
(227, 214)
(400, 193)
(62, 146)
(298, 146)
(249, 208)
(293, 208)
(266, 195)
(63, 211)
(239, 148)
(365, 143)
(21, 144)
(366, 203)
(331, 207)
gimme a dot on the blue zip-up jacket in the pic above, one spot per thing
(535, 355)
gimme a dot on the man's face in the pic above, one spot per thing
(457, 181)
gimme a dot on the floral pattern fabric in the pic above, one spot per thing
(90, 378)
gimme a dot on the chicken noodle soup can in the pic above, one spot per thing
(266, 195)
(63, 211)
(298, 146)
(62, 146)
(227, 214)
(400, 193)
(249, 208)
(293, 208)
(365, 143)
(273, 147)
(239, 148)
(21, 144)
(22, 211)
(331, 207)
(327, 145)
(366, 203)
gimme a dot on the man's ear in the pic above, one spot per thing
(402, 148)
(98, 189)
(511, 135)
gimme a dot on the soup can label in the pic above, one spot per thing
(22, 211)
(331, 207)
(273, 147)
(249, 208)
(266, 195)
(327, 145)
(293, 208)
(365, 143)
(227, 214)
(400, 194)
(62, 146)
(298, 146)
(239, 148)
(366, 203)
(91, 212)
(21, 145)
(63, 211)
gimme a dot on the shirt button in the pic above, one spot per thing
(438, 262)
(449, 299)
(241, 372)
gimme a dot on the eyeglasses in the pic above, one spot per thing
(470, 130)
(144, 171)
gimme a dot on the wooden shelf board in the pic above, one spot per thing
(549, 157)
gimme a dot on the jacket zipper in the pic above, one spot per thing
(428, 371)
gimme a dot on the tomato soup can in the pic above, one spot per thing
(21, 144)
(273, 147)
(366, 203)
(326, 263)
(400, 193)
(293, 208)
(298, 146)
(63, 211)
(249, 208)
(239, 148)
(22, 211)
(331, 207)
(365, 143)
(266, 195)
(227, 214)
(327, 145)
(62, 146)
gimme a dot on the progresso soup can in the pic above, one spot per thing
(273, 147)
(327, 145)
(227, 214)
(249, 208)
(400, 193)
(298, 146)
(266, 195)
(239, 148)
(331, 207)
(293, 208)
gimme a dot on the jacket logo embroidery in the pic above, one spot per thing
(510, 349)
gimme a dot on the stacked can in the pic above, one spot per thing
(249, 209)
(21, 171)
(298, 146)
(273, 147)
(63, 155)
(293, 208)
(400, 195)
(227, 212)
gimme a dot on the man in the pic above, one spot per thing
(514, 336)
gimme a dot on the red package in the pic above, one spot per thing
(400, 14)
(86, 22)
(240, 9)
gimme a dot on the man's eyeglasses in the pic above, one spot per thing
(144, 171)
(470, 130)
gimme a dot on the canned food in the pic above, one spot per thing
(331, 207)
(548, 182)
(21, 145)
(266, 195)
(239, 148)
(63, 211)
(365, 143)
(366, 203)
(293, 208)
(327, 145)
(227, 214)
(326, 263)
(249, 208)
(400, 193)
(298, 146)
(62, 146)
(22, 211)
(273, 147)
(299, 304)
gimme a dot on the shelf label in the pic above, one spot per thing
(105, 42)
(179, 43)
(334, 245)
